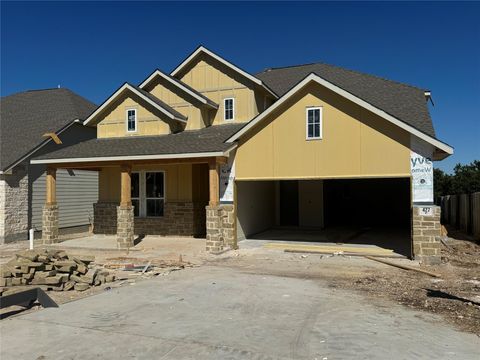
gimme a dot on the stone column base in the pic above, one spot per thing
(220, 228)
(125, 227)
(50, 224)
(426, 233)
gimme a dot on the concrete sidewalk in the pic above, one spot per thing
(215, 312)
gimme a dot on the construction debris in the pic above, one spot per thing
(52, 270)
(404, 267)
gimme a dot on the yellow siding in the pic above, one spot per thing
(184, 104)
(355, 142)
(178, 182)
(113, 123)
(218, 82)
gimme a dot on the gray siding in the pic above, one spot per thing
(76, 193)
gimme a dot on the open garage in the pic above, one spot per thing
(368, 211)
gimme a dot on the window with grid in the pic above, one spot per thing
(314, 123)
(135, 193)
(131, 120)
(154, 193)
(148, 193)
(229, 108)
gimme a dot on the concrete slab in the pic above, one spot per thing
(394, 239)
(215, 312)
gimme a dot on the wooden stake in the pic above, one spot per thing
(404, 267)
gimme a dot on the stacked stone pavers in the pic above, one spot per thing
(52, 270)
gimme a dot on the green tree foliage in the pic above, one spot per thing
(464, 180)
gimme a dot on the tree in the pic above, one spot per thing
(465, 180)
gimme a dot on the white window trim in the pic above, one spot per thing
(126, 120)
(321, 123)
(233, 109)
(142, 199)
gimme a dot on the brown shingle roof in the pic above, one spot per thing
(211, 139)
(26, 116)
(405, 102)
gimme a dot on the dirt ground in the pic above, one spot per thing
(455, 295)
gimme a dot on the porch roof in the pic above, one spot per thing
(209, 141)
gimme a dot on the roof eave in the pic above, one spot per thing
(119, 91)
(157, 72)
(224, 153)
(9, 168)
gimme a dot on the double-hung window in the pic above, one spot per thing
(148, 193)
(131, 120)
(229, 108)
(314, 123)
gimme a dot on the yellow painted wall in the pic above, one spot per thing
(217, 82)
(355, 142)
(178, 182)
(183, 103)
(149, 120)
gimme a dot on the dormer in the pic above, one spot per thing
(181, 97)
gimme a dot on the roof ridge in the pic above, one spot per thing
(33, 90)
(345, 69)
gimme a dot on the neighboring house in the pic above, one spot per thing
(32, 123)
(211, 149)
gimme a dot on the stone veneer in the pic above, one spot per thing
(180, 219)
(14, 205)
(105, 218)
(220, 228)
(426, 232)
(50, 224)
(125, 238)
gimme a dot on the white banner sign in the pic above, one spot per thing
(421, 167)
(227, 179)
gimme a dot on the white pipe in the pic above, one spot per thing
(31, 235)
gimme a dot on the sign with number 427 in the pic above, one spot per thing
(426, 211)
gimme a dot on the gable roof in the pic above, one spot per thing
(146, 96)
(319, 80)
(180, 85)
(209, 141)
(203, 50)
(405, 102)
(26, 116)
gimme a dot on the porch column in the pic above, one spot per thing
(214, 240)
(214, 180)
(50, 209)
(125, 225)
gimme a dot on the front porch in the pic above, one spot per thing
(175, 197)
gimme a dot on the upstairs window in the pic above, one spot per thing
(314, 123)
(229, 108)
(131, 120)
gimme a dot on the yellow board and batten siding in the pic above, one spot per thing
(178, 182)
(197, 117)
(218, 82)
(355, 142)
(114, 120)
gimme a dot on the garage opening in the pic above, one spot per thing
(339, 211)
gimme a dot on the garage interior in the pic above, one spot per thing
(374, 211)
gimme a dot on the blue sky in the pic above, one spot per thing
(92, 48)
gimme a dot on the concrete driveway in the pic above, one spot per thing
(216, 312)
